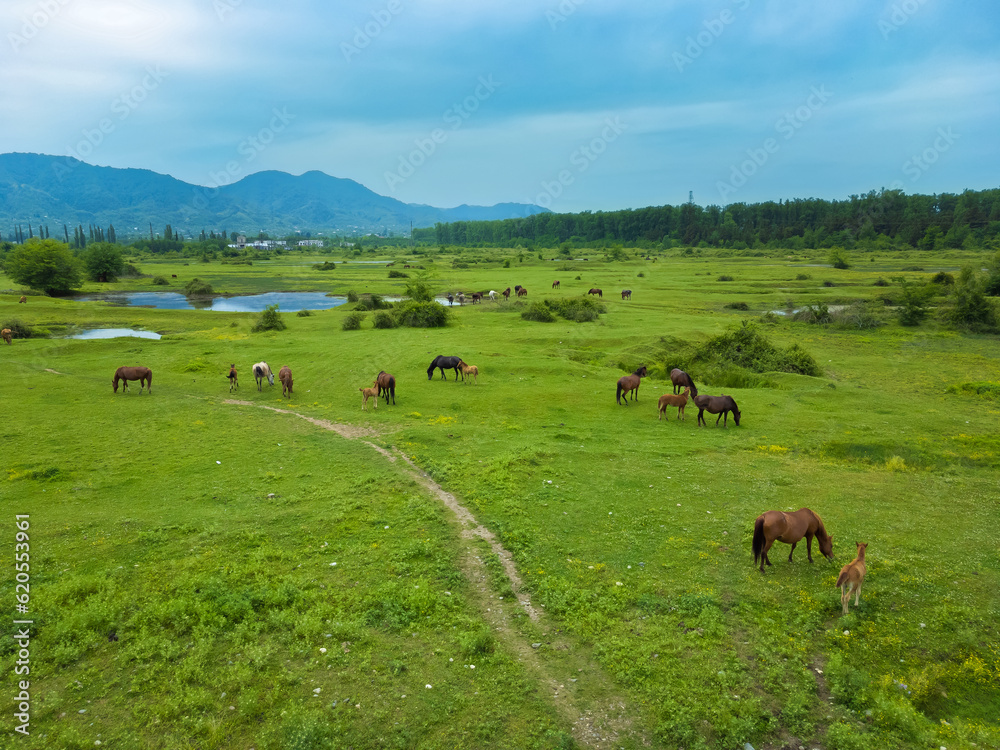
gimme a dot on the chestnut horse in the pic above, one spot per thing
(789, 528)
(6, 334)
(469, 370)
(720, 405)
(233, 380)
(143, 374)
(522, 292)
(680, 402)
(23, 299)
(506, 293)
(555, 284)
(852, 576)
(596, 291)
(386, 386)
(681, 379)
(285, 376)
(630, 383)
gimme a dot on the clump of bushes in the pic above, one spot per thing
(413, 314)
(352, 296)
(748, 348)
(197, 288)
(394, 274)
(913, 268)
(819, 313)
(737, 306)
(880, 282)
(372, 302)
(943, 278)
(971, 310)
(803, 277)
(269, 320)
(384, 319)
(725, 277)
(353, 321)
(160, 281)
(538, 312)
(18, 328)
(304, 313)
(325, 266)
(828, 283)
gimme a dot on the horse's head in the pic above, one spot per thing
(114, 384)
(826, 546)
(736, 415)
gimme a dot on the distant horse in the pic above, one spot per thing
(6, 334)
(506, 293)
(596, 291)
(626, 294)
(852, 576)
(477, 297)
(555, 284)
(143, 374)
(522, 292)
(461, 298)
(493, 296)
(444, 363)
(469, 370)
(775, 525)
(285, 376)
(233, 380)
(680, 402)
(517, 289)
(681, 379)
(451, 299)
(23, 299)
(261, 370)
(630, 383)
(386, 386)
(367, 393)
(720, 405)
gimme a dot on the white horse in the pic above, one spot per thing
(493, 296)
(261, 371)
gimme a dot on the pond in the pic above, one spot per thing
(286, 301)
(112, 333)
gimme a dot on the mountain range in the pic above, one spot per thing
(52, 191)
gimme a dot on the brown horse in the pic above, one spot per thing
(469, 370)
(630, 383)
(852, 576)
(626, 294)
(143, 374)
(506, 294)
(681, 379)
(386, 386)
(555, 284)
(789, 528)
(477, 297)
(670, 400)
(23, 299)
(367, 393)
(285, 376)
(6, 334)
(522, 292)
(233, 380)
(596, 291)
(720, 405)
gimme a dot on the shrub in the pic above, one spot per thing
(971, 309)
(418, 290)
(803, 277)
(353, 321)
(304, 313)
(880, 282)
(809, 314)
(161, 281)
(913, 302)
(838, 258)
(580, 309)
(828, 283)
(352, 296)
(326, 266)
(18, 328)
(641, 274)
(414, 314)
(394, 274)
(725, 277)
(737, 306)
(506, 264)
(860, 315)
(269, 320)
(913, 268)
(372, 302)
(197, 288)
(943, 278)
(539, 312)
(747, 347)
(384, 319)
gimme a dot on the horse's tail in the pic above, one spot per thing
(618, 394)
(758, 538)
(844, 575)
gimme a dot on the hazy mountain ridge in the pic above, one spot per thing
(56, 190)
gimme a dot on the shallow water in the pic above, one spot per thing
(286, 301)
(113, 333)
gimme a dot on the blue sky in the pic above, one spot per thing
(574, 105)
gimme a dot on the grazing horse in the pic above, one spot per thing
(522, 292)
(233, 380)
(444, 363)
(789, 528)
(506, 293)
(852, 576)
(23, 299)
(469, 370)
(680, 402)
(450, 298)
(517, 289)
(386, 386)
(6, 334)
(261, 370)
(555, 284)
(493, 296)
(626, 294)
(596, 291)
(477, 297)
(461, 299)
(143, 374)
(630, 383)
(720, 405)
(367, 393)
(681, 379)
(285, 376)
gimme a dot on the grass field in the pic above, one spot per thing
(208, 573)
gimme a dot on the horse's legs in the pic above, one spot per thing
(764, 558)
(857, 593)
(809, 546)
(791, 551)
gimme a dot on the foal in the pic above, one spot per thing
(233, 380)
(469, 370)
(852, 576)
(669, 399)
(367, 393)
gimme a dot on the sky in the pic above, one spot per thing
(573, 105)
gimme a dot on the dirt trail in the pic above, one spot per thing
(602, 723)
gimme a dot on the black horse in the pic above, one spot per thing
(444, 363)
(720, 405)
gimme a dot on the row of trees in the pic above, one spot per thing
(885, 218)
(51, 266)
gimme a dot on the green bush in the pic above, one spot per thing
(803, 277)
(384, 319)
(394, 274)
(160, 281)
(737, 306)
(828, 283)
(372, 302)
(352, 296)
(415, 314)
(725, 277)
(325, 266)
(819, 314)
(880, 282)
(304, 313)
(353, 321)
(197, 288)
(859, 315)
(943, 278)
(18, 328)
(748, 348)
(913, 302)
(579, 309)
(971, 309)
(838, 258)
(418, 290)
(538, 312)
(268, 320)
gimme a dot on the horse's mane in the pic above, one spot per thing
(820, 528)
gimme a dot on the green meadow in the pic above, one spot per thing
(217, 570)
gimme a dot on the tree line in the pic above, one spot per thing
(880, 219)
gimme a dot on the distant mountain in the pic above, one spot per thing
(57, 190)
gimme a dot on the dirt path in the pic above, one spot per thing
(598, 723)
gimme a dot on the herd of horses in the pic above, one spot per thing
(722, 405)
(519, 291)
